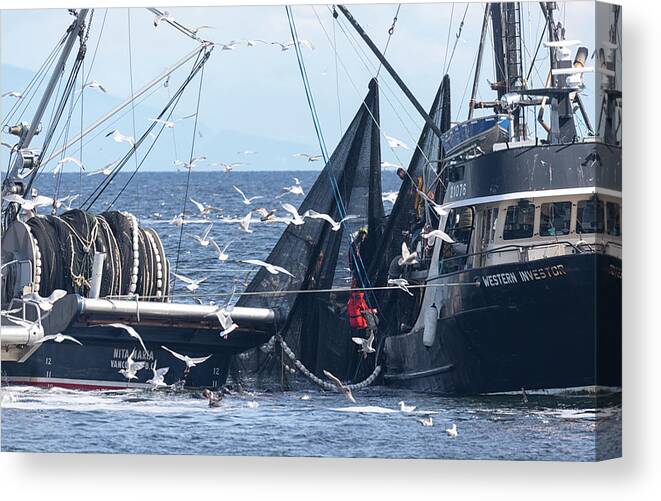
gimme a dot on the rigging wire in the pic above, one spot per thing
(391, 30)
(337, 83)
(190, 170)
(447, 42)
(457, 38)
(130, 47)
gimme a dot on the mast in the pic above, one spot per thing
(26, 134)
(478, 64)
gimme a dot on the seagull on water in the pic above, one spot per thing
(13, 93)
(118, 137)
(192, 285)
(296, 220)
(222, 253)
(271, 268)
(452, 432)
(365, 344)
(204, 239)
(165, 16)
(408, 257)
(401, 283)
(406, 408)
(58, 338)
(158, 376)
(45, 303)
(214, 400)
(132, 367)
(311, 158)
(189, 361)
(425, 421)
(341, 387)
(393, 142)
(246, 200)
(129, 330)
(434, 234)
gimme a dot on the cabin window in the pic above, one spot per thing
(519, 221)
(555, 219)
(590, 216)
(613, 219)
(459, 227)
(489, 222)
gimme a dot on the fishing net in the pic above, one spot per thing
(316, 325)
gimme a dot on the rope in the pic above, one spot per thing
(316, 380)
(190, 170)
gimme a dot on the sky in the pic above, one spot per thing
(252, 98)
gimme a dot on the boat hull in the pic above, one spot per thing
(547, 324)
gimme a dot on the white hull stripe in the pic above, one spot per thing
(588, 190)
(593, 389)
(76, 382)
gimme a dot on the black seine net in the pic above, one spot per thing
(410, 214)
(316, 325)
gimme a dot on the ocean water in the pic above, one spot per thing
(267, 421)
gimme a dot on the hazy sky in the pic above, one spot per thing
(254, 96)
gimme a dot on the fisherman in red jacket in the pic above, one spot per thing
(361, 316)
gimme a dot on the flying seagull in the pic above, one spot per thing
(189, 361)
(158, 377)
(58, 338)
(295, 189)
(132, 367)
(192, 285)
(246, 200)
(45, 303)
(106, 170)
(130, 331)
(402, 283)
(118, 137)
(265, 215)
(385, 165)
(365, 344)
(393, 142)
(204, 239)
(245, 222)
(93, 84)
(341, 387)
(169, 124)
(408, 257)
(311, 158)
(335, 225)
(222, 253)
(73, 160)
(228, 167)
(13, 93)
(434, 234)
(271, 268)
(389, 196)
(165, 16)
(31, 203)
(296, 220)
(440, 211)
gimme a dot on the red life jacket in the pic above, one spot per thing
(355, 307)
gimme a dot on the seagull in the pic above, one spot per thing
(45, 303)
(390, 196)
(228, 167)
(296, 189)
(158, 378)
(118, 137)
(406, 408)
(178, 220)
(288, 45)
(365, 344)
(393, 142)
(222, 253)
(408, 257)
(29, 204)
(440, 211)
(58, 338)
(343, 388)
(245, 222)
(165, 16)
(246, 200)
(204, 240)
(335, 225)
(311, 158)
(13, 93)
(189, 361)
(452, 432)
(434, 234)
(192, 163)
(204, 208)
(425, 421)
(67, 160)
(223, 314)
(214, 401)
(402, 283)
(202, 27)
(296, 220)
(193, 285)
(265, 215)
(93, 84)
(271, 268)
(132, 367)
(166, 123)
(385, 165)
(131, 332)
(106, 170)
(229, 45)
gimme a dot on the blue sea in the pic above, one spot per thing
(303, 421)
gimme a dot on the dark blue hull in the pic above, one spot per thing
(549, 324)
